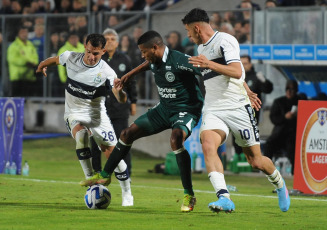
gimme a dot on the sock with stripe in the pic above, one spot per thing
(276, 179)
(217, 180)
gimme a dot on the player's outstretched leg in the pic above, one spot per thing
(122, 175)
(278, 182)
(224, 203)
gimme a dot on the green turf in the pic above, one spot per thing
(50, 198)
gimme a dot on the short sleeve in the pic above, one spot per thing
(64, 57)
(231, 49)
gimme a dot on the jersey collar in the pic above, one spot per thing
(213, 36)
(165, 55)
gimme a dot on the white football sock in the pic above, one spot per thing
(125, 184)
(218, 182)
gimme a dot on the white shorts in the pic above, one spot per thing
(240, 122)
(101, 129)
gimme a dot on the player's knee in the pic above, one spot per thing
(208, 147)
(128, 135)
(82, 139)
(176, 139)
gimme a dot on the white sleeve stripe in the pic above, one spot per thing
(233, 60)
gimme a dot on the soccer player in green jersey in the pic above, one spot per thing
(179, 109)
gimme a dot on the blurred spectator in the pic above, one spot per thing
(114, 5)
(22, 59)
(38, 40)
(174, 41)
(227, 28)
(137, 32)
(246, 30)
(6, 7)
(38, 7)
(63, 36)
(229, 17)
(128, 5)
(270, 4)
(283, 114)
(246, 13)
(113, 21)
(79, 6)
(100, 6)
(65, 6)
(16, 7)
(81, 27)
(215, 21)
(255, 6)
(238, 33)
(126, 47)
(72, 44)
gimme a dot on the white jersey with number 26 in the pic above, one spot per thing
(222, 92)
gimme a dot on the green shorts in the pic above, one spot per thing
(159, 118)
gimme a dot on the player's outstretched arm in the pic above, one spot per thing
(42, 67)
(255, 101)
(118, 91)
(141, 68)
(233, 69)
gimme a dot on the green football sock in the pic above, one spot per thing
(119, 152)
(184, 165)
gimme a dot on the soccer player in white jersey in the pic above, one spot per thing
(88, 79)
(226, 108)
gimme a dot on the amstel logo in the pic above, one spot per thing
(314, 151)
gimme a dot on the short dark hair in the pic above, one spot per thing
(96, 40)
(292, 83)
(196, 15)
(150, 38)
(246, 56)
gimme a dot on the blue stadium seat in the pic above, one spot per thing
(308, 88)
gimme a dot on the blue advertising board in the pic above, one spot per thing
(282, 52)
(11, 128)
(285, 52)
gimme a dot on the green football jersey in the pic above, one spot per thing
(177, 84)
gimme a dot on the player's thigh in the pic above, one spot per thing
(213, 122)
(104, 134)
(243, 125)
(73, 122)
(153, 121)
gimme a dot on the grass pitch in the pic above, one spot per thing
(50, 198)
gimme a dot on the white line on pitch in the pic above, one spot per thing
(177, 189)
